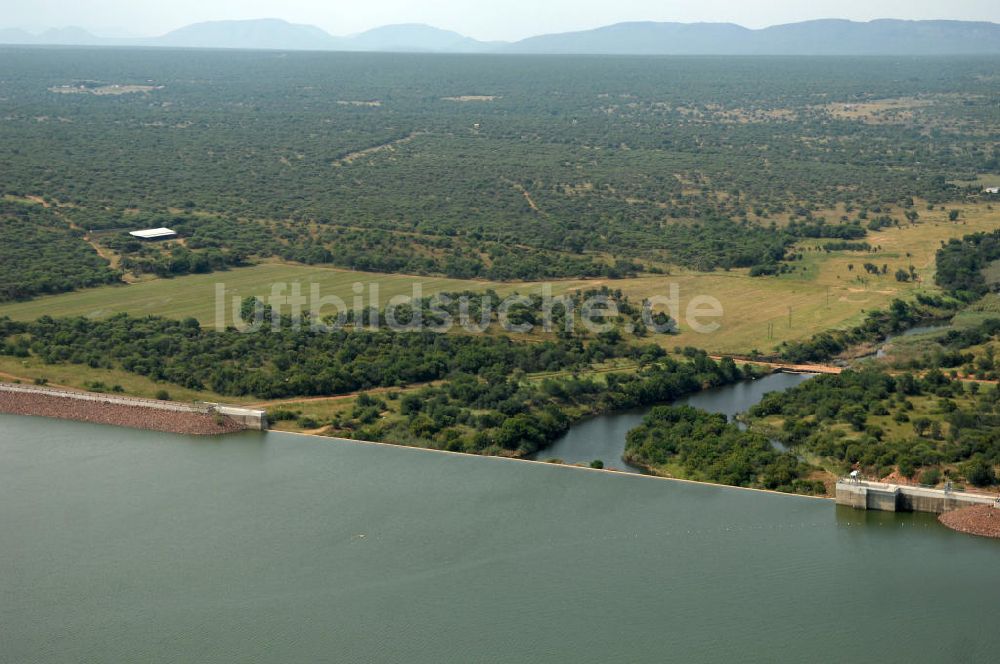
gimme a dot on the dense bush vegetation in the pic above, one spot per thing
(867, 419)
(960, 263)
(496, 413)
(484, 405)
(40, 253)
(367, 161)
(582, 167)
(707, 447)
(289, 362)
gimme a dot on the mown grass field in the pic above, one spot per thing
(826, 294)
(195, 295)
(822, 293)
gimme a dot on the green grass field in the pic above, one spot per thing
(823, 293)
(195, 295)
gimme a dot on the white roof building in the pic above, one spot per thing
(992, 190)
(154, 234)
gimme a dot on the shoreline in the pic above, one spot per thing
(182, 419)
(572, 467)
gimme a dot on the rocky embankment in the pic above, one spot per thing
(135, 415)
(982, 520)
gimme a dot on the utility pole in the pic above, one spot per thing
(789, 318)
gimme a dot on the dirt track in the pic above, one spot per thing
(784, 366)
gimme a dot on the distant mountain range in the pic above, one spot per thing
(822, 37)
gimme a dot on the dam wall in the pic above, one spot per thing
(136, 412)
(897, 498)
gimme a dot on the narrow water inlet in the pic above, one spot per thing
(603, 437)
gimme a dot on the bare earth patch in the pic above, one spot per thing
(881, 111)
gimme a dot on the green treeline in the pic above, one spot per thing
(566, 315)
(288, 362)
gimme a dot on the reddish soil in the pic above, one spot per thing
(982, 520)
(134, 416)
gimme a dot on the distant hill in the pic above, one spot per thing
(823, 37)
(644, 38)
(881, 37)
(16, 36)
(261, 33)
(56, 36)
(70, 36)
(416, 37)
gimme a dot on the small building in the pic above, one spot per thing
(155, 234)
(992, 190)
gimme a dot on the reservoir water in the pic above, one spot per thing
(131, 546)
(603, 437)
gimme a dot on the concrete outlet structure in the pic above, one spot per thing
(894, 498)
(255, 420)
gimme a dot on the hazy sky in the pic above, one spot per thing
(507, 19)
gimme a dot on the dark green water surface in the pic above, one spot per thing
(129, 546)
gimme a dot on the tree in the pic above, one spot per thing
(907, 467)
(921, 424)
(979, 473)
(930, 476)
(855, 416)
